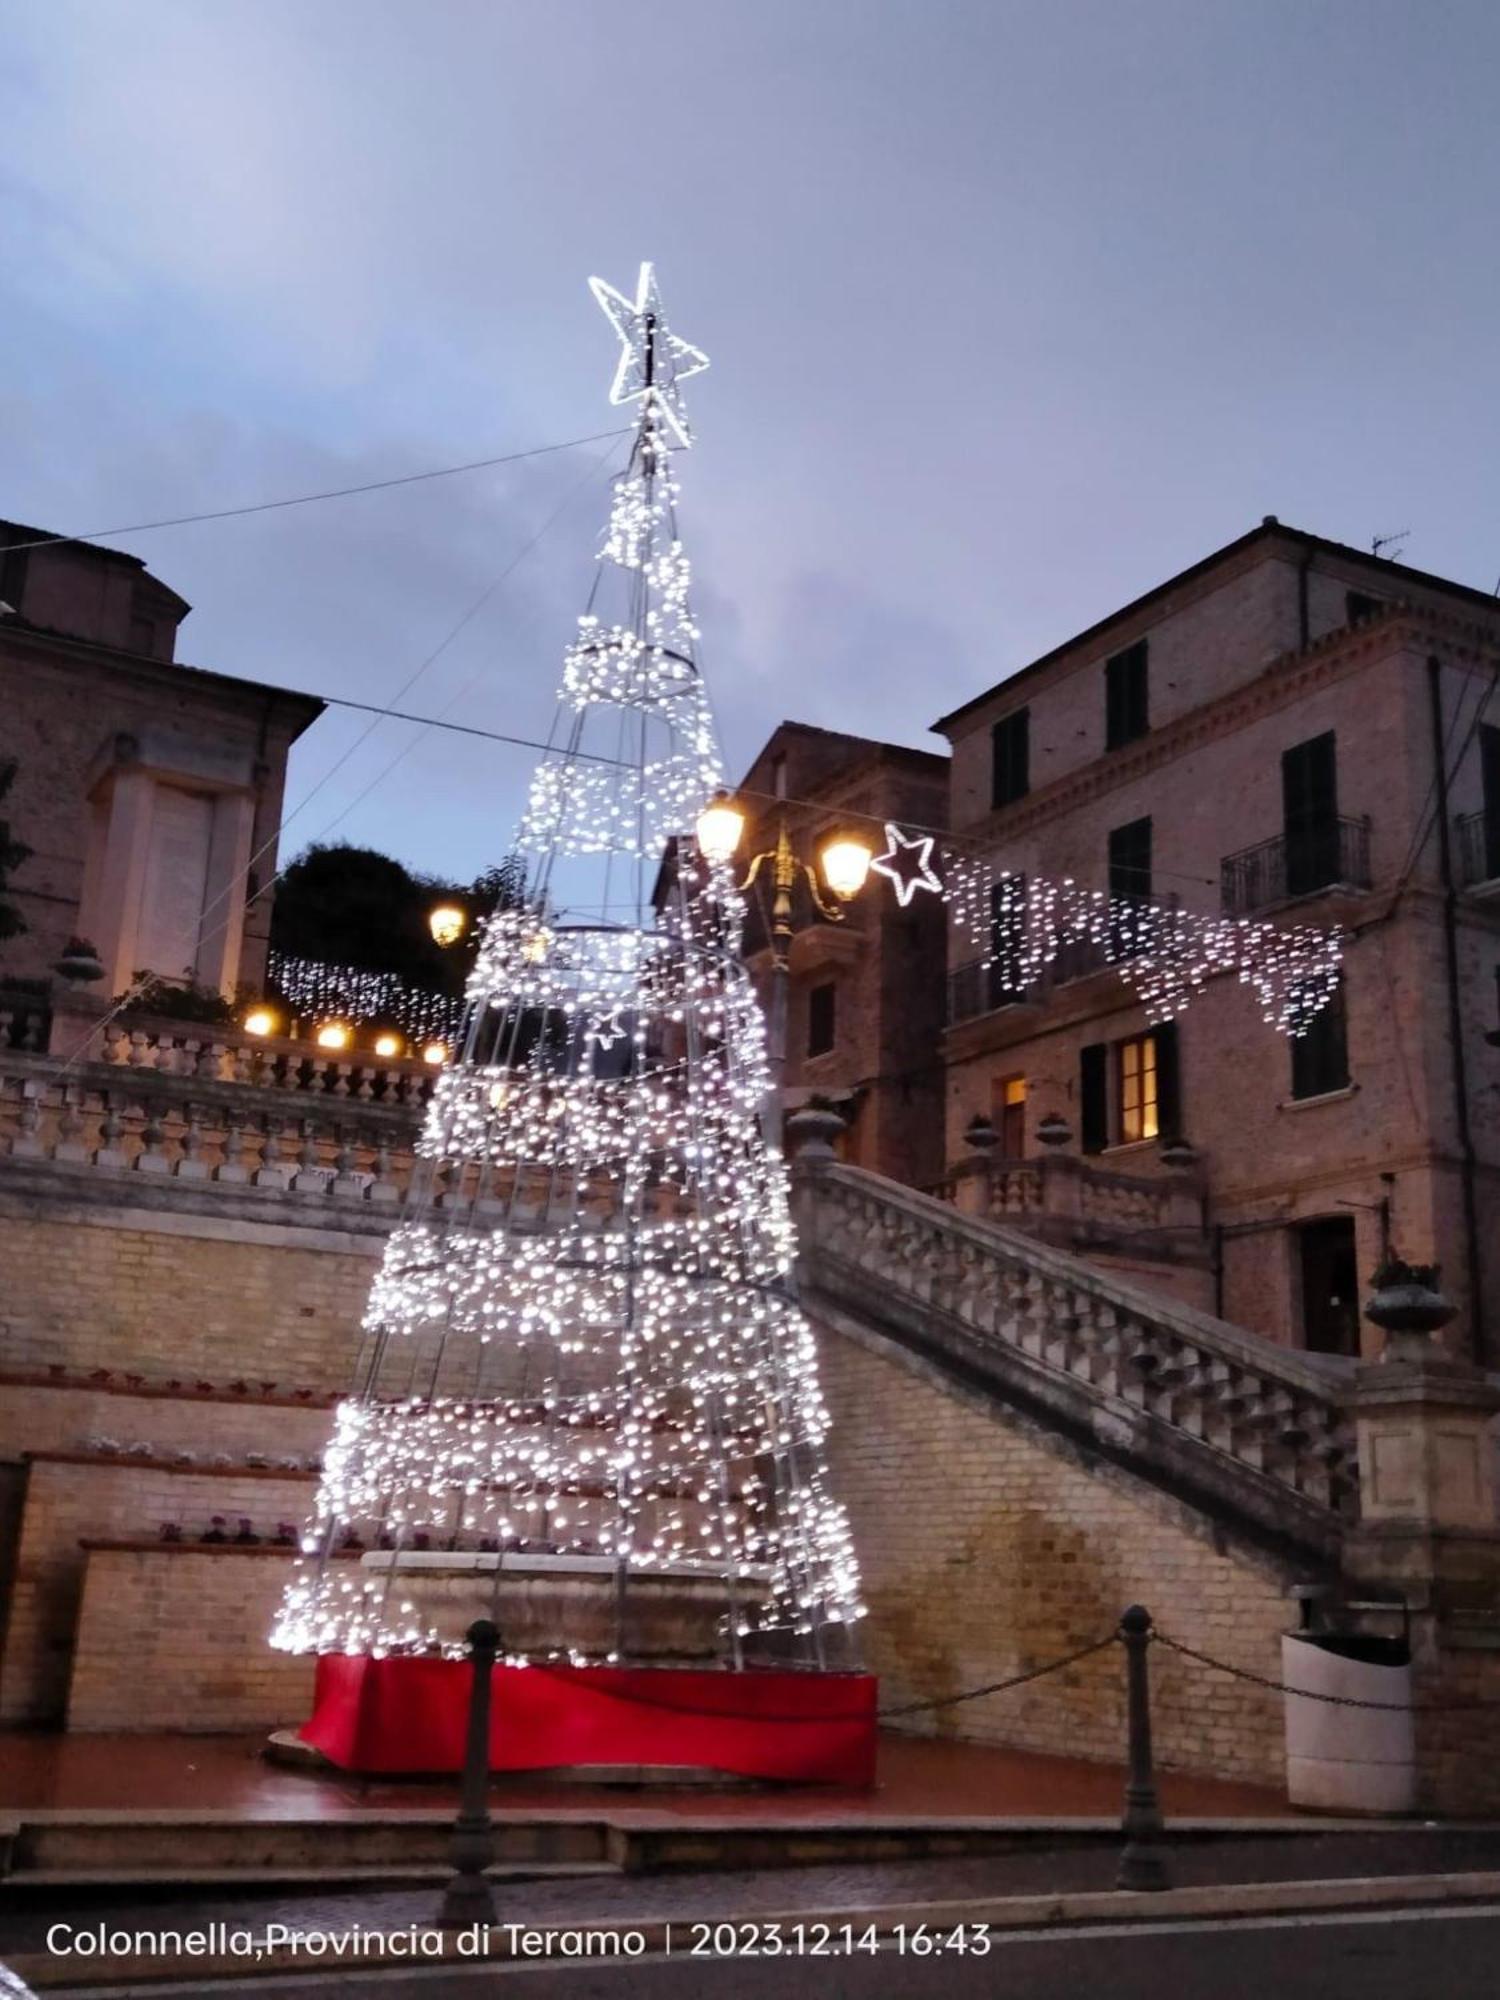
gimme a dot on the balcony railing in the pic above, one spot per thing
(1333, 856)
(980, 988)
(1479, 848)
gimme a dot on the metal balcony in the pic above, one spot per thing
(1478, 849)
(1335, 856)
(979, 988)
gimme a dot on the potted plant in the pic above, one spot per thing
(1406, 1304)
(80, 962)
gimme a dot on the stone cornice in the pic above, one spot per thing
(1325, 662)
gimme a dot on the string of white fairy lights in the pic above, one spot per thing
(580, 1341)
(1022, 924)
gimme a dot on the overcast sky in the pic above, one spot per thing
(1014, 309)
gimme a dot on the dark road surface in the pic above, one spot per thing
(1393, 1956)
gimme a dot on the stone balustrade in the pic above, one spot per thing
(1073, 1200)
(184, 1108)
(1254, 1434)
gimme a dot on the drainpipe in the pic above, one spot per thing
(1455, 1018)
(1304, 619)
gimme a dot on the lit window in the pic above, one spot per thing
(1138, 1089)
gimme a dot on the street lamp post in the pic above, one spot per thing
(845, 863)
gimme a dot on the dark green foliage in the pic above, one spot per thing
(352, 906)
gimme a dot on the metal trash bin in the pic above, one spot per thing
(1351, 1760)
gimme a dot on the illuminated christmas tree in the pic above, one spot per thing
(588, 1401)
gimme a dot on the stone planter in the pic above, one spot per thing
(812, 1131)
(1409, 1311)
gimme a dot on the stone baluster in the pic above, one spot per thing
(111, 1130)
(347, 1180)
(383, 1189)
(142, 1053)
(7, 1027)
(70, 1146)
(192, 1166)
(272, 1171)
(310, 1177)
(364, 1081)
(116, 1044)
(341, 1074)
(232, 1167)
(152, 1158)
(27, 1144)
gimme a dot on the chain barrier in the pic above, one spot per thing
(1309, 1694)
(1037, 1673)
(880, 1715)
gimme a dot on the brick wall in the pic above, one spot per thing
(1457, 1768)
(69, 1499)
(43, 1416)
(988, 1547)
(176, 1639)
(176, 1294)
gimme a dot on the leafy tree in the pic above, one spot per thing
(349, 905)
(12, 854)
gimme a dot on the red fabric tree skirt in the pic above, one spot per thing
(405, 1716)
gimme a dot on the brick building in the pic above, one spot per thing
(1289, 730)
(864, 1014)
(149, 792)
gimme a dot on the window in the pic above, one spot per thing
(1310, 813)
(1129, 881)
(1125, 696)
(821, 1018)
(1008, 1098)
(1007, 931)
(1358, 607)
(1130, 861)
(778, 775)
(1137, 1098)
(1489, 775)
(1010, 743)
(1320, 1055)
(1129, 1091)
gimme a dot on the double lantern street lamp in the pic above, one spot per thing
(845, 864)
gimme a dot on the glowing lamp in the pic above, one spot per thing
(846, 863)
(536, 947)
(388, 1045)
(260, 1021)
(435, 1053)
(333, 1035)
(447, 922)
(720, 825)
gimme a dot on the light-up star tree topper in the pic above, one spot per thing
(586, 1389)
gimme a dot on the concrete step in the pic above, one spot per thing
(332, 1876)
(123, 1846)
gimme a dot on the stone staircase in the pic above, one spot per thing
(1257, 1438)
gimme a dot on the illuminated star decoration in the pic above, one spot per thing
(609, 1029)
(652, 359)
(906, 877)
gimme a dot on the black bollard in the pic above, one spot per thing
(1142, 1863)
(469, 1898)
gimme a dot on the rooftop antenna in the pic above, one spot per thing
(1380, 543)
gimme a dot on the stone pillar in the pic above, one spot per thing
(1428, 1510)
(1429, 1532)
